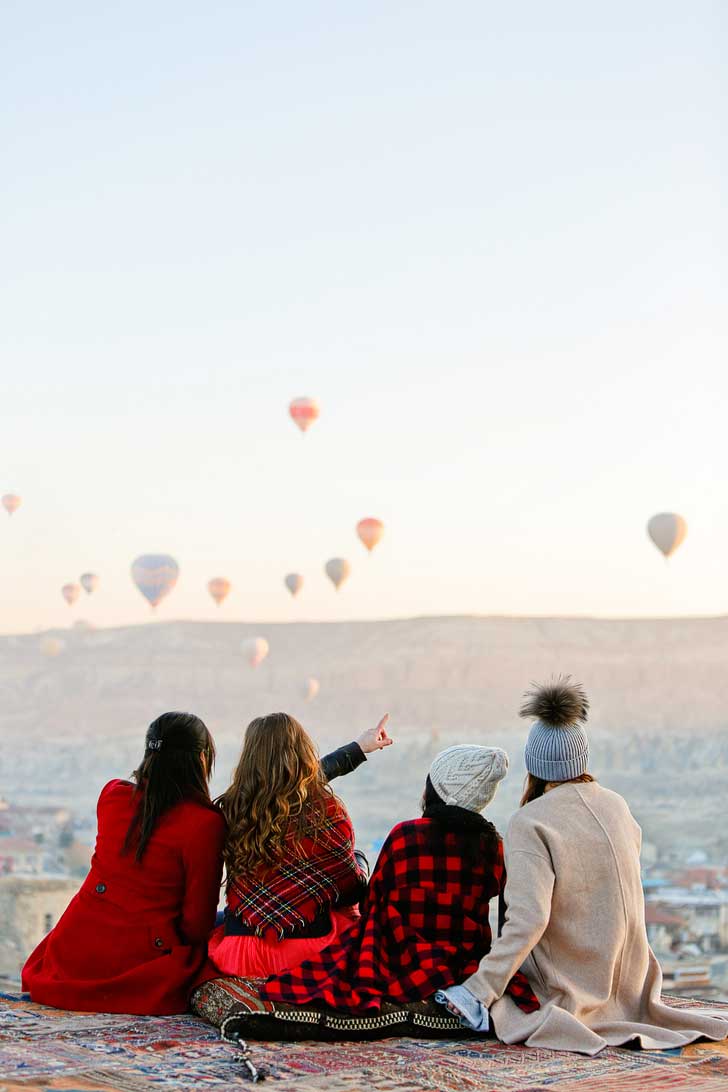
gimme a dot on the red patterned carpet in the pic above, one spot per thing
(46, 1049)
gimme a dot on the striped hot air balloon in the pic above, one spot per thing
(11, 503)
(370, 531)
(89, 582)
(304, 412)
(155, 575)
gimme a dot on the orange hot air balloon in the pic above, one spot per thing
(219, 589)
(11, 503)
(294, 583)
(311, 688)
(370, 531)
(89, 582)
(304, 412)
(255, 650)
(338, 570)
(70, 593)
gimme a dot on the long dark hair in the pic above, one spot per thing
(480, 837)
(534, 787)
(179, 756)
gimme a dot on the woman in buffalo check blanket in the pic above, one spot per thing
(424, 925)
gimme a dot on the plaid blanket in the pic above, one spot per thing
(424, 926)
(313, 874)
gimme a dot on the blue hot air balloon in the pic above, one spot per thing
(155, 575)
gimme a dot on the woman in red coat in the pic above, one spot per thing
(134, 938)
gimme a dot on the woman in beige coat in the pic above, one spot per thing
(575, 922)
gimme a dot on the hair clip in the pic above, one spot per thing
(154, 745)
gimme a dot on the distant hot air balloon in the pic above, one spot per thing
(70, 593)
(294, 583)
(51, 647)
(89, 582)
(83, 625)
(304, 412)
(155, 575)
(311, 688)
(219, 589)
(12, 502)
(255, 650)
(370, 531)
(338, 570)
(667, 530)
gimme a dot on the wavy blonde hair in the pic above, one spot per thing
(277, 788)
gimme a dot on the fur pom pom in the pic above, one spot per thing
(557, 703)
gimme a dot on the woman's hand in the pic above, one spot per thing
(375, 739)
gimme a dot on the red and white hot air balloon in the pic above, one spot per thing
(338, 570)
(11, 503)
(219, 589)
(294, 583)
(304, 412)
(89, 582)
(70, 593)
(370, 531)
(255, 650)
(667, 530)
(311, 688)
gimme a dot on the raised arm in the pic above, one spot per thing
(346, 759)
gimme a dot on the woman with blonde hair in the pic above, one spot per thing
(575, 922)
(292, 879)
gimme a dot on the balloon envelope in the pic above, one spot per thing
(338, 570)
(89, 582)
(51, 647)
(304, 412)
(311, 688)
(667, 530)
(294, 583)
(70, 593)
(12, 502)
(219, 589)
(370, 531)
(255, 650)
(155, 575)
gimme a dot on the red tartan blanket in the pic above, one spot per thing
(424, 926)
(313, 874)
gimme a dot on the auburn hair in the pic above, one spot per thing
(533, 787)
(278, 789)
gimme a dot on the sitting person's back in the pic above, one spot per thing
(293, 881)
(426, 915)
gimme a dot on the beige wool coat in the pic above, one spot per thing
(575, 925)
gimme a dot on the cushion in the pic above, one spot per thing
(235, 1006)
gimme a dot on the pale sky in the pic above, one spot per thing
(489, 238)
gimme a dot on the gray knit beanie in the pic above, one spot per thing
(557, 748)
(467, 775)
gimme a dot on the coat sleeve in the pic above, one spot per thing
(342, 761)
(528, 896)
(202, 858)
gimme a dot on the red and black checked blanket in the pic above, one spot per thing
(424, 927)
(313, 874)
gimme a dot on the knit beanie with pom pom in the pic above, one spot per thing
(467, 776)
(557, 748)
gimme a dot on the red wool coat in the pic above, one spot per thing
(134, 938)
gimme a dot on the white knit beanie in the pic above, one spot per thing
(468, 775)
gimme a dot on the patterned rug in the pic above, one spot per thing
(48, 1050)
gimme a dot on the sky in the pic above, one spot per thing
(491, 241)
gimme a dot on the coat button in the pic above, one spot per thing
(100, 888)
(158, 942)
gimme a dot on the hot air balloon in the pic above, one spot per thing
(311, 688)
(83, 625)
(304, 412)
(51, 647)
(89, 582)
(155, 575)
(294, 583)
(338, 570)
(667, 530)
(370, 531)
(219, 589)
(12, 502)
(70, 593)
(255, 650)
